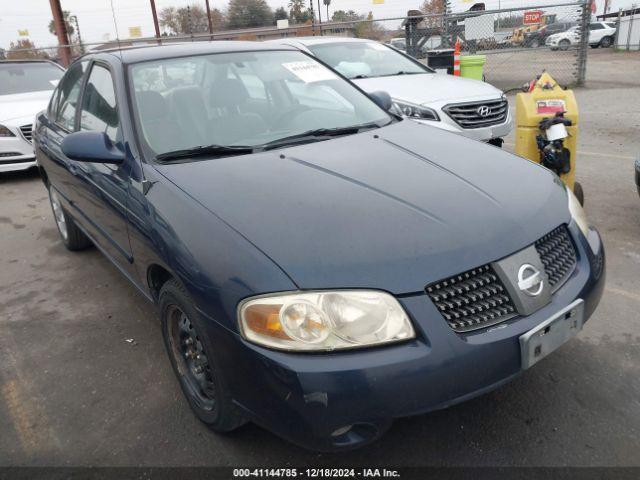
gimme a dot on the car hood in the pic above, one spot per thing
(394, 212)
(430, 87)
(22, 107)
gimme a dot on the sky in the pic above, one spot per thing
(97, 23)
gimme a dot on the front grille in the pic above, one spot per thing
(10, 154)
(26, 132)
(475, 115)
(474, 299)
(558, 256)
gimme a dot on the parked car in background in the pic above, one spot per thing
(400, 43)
(472, 108)
(320, 265)
(601, 34)
(25, 89)
(538, 37)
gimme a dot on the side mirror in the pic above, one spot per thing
(93, 147)
(382, 99)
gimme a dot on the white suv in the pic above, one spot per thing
(25, 89)
(469, 107)
(601, 34)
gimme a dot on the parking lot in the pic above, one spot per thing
(75, 391)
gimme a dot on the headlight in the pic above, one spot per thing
(324, 320)
(577, 212)
(415, 111)
(5, 132)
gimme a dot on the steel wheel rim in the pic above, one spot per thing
(58, 214)
(193, 365)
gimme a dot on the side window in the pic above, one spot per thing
(595, 26)
(99, 110)
(67, 96)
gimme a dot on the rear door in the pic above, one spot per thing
(596, 32)
(60, 121)
(102, 196)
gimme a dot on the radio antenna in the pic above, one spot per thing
(115, 24)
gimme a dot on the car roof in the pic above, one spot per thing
(308, 41)
(30, 60)
(143, 53)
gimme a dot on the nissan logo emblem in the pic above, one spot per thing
(483, 110)
(530, 280)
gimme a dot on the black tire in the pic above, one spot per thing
(206, 390)
(578, 192)
(564, 44)
(606, 42)
(535, 43)
(72, 237)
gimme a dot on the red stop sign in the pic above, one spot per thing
(532, 17)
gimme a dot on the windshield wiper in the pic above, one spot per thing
(359, 76)
(401, 72)
(205, 150)
(317, 135)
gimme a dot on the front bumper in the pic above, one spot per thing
(310, 399)
(16, 153)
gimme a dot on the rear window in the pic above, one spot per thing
(28, 77)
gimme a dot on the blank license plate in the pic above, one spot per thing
(540, 341)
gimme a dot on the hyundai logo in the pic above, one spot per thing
(530, 280)
(483, 110)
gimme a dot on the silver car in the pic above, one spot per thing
(472, 108)
(25, 89)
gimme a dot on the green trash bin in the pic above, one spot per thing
(471, 66)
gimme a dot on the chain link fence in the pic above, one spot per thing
(516, 44)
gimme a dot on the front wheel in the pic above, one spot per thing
(564, 44)
(534, 43)
(72, 237)
(191, 355)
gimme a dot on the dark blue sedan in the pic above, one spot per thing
(320, 265)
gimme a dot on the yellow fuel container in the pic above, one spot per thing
(546, 98)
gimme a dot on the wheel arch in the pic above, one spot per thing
(157, 276)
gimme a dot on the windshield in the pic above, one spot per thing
(365, 59)
(246, 99)
(28, 77)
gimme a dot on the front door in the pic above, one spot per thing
(103, 191)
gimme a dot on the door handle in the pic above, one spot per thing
(73, 169)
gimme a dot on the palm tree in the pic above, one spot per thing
(296, 8)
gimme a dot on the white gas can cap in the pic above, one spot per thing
(556, 132)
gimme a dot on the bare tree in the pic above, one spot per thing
(24, 49)
(192, 19)
(436, 8)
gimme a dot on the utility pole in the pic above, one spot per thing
(209, 16)
(155, 19)
(313, 17)
(61, 32)
(320, 17)
(189, 22)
